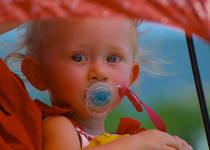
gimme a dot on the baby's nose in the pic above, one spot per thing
(98, 76)
(97, 72)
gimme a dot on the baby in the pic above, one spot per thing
(67, 58)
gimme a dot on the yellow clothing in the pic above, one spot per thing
(105, 138)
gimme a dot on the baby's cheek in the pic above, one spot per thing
(122, 79)
(75, 81)
(122, 75)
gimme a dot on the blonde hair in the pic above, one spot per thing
(32, 39)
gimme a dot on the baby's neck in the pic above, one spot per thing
(92, 126)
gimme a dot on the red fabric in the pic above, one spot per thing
(129, 126)
(20, 118)
(190, 15)
(47, 111)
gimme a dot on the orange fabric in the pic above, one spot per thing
(20, 118)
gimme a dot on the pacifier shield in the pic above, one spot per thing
(100, 98)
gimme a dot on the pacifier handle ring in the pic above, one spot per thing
(157, 121)
(124, 91)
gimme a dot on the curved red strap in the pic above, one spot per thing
(157, 121)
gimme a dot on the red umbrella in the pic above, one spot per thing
(193, 16)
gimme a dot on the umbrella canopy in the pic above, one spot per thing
(191, 15)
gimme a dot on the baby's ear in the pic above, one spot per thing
(31, 68)
(134, 72)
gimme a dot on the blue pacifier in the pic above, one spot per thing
(100, 98)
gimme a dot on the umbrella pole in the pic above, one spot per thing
(199, 87)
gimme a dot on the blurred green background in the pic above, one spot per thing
(172, 96)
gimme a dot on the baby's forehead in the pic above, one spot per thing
(48, 33)
(62, 25)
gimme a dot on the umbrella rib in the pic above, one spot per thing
(199, 87)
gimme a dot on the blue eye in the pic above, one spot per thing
(113, 59)
(78, 58)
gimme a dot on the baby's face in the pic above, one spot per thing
(85, 50)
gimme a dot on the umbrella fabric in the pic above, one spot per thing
(191, 15)
(20, 117)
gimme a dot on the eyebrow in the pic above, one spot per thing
(77, 45)
(118, 49)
